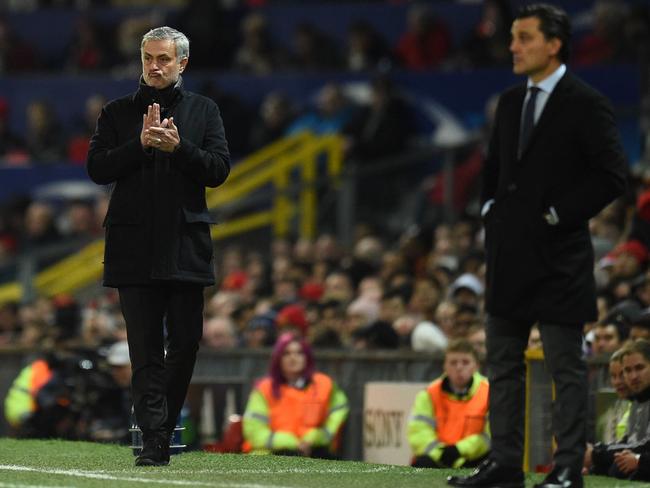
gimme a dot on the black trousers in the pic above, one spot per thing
(159, 381)
(506, 343)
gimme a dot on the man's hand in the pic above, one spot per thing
(304, 448)
(149, 120)
(165, 137)
(626, 461)
(587, 462)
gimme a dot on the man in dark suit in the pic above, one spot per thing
(554, 162)
(159, 148)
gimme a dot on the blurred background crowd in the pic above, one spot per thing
(410, 276)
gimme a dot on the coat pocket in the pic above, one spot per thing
(195, 250)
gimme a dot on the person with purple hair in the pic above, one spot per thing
(295, 410)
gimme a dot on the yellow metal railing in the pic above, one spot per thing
(276, 165)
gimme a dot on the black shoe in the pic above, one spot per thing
(155, 452)
(490, 474)
(561, 477)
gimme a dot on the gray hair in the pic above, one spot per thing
(181, 41)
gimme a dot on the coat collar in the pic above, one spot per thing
(167, 97)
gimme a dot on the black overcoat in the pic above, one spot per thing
(157, 224)
(573, 162)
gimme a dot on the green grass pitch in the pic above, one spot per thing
(46, 464)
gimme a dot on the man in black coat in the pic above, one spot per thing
(159, 148)
(554, 162)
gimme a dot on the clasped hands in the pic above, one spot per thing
(157, 134)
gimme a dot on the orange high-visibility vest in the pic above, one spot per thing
(41, 374)
(295, 410)
(458, 418)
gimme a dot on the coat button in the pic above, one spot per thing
(512, 187)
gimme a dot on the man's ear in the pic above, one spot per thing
(555, 45)
(183, 64)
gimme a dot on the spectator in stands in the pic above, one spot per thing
(426, 42)
(44, 135)
(88, 48)
(292, 318)
(466, 317)
(630, 457)
(39, 225)
(428, 337)
(80, 140)
(487, 44)
(295, 410)
(448, 427)
(97, 328)
(160, 163)
(538, 252)
(367, 50)
(313, 50)
(382, 128)
(16, 55)
(258, 53)
(640, 326)
(12, 146)
(613, 423)
(404, 325)
(338, 286)
(608, 336)
(333, 328)
(219, 333)
(260, 331)
(467, 289)
(603, 43)
(275, 115)
(625, 261)
(332, 112)
(78, 220)
(425, 298)
(393, 304)
(445, 316)
(477, 336)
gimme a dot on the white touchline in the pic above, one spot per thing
(21, 485)
(94, 475)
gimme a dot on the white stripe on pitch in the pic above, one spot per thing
(103, 476)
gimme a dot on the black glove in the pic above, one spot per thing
(449, 455)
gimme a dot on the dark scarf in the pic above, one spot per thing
(166, 98)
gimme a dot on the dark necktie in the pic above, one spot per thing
(529, 119)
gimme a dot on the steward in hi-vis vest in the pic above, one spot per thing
(287, 414)
(448, 427)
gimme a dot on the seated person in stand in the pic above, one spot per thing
(630, 457)
(295, 410)
(448, 426)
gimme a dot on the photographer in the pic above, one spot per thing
(71, 394)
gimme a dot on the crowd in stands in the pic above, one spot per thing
(241, 38)
(416, 293)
